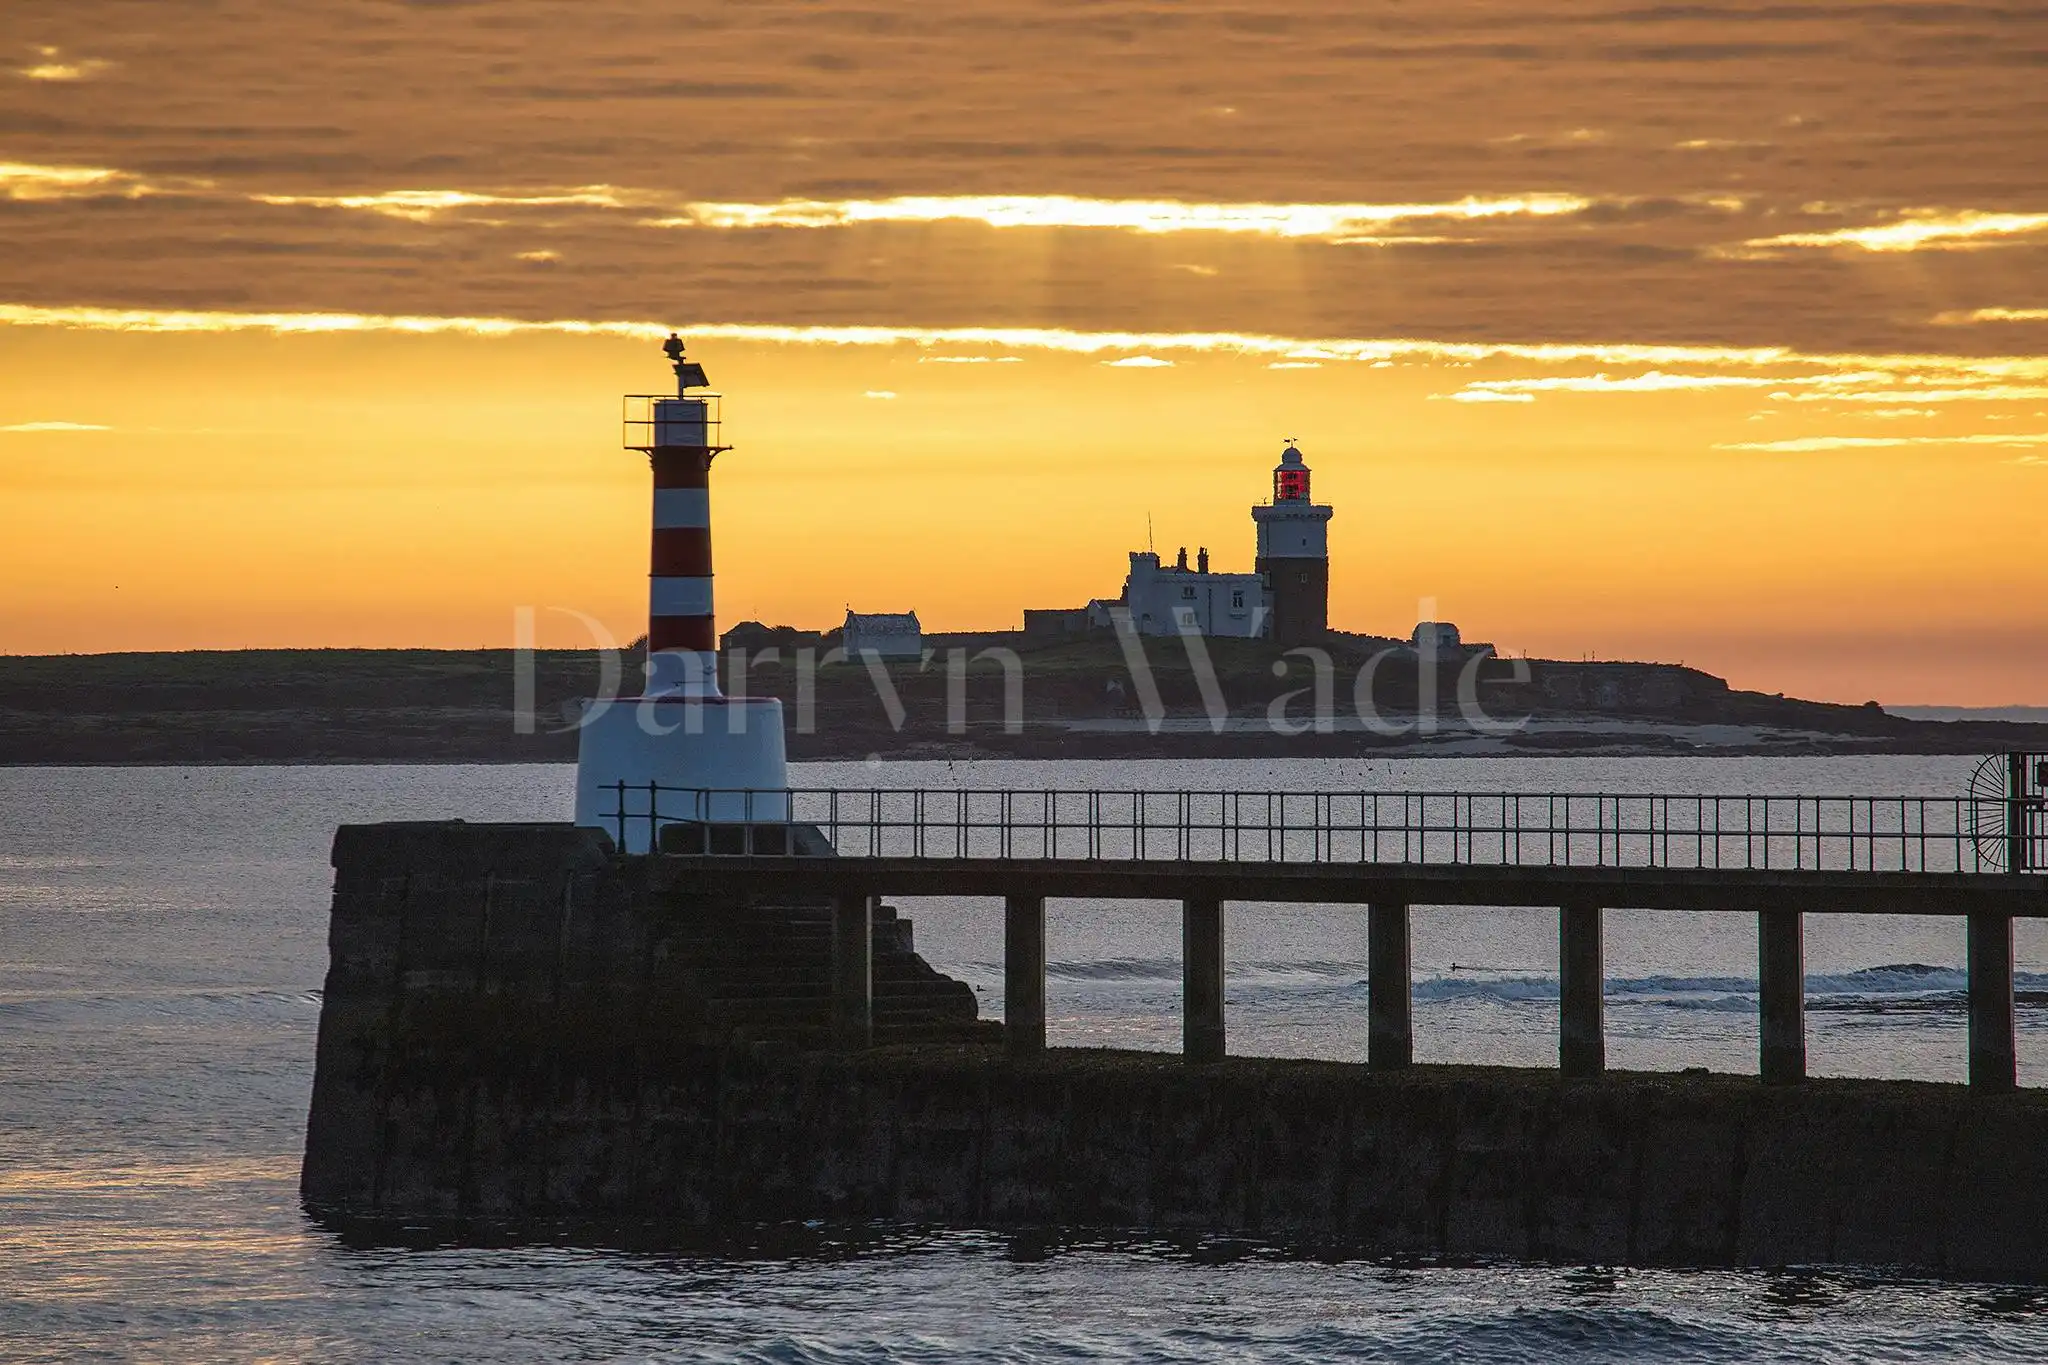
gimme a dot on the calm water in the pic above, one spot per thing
(162, 941)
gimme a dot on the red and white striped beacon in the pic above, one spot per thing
(679, 437)
(714, 758)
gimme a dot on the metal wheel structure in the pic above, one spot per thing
(1990, 812)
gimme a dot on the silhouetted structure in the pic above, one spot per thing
(1294, 554)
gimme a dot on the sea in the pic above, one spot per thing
(163, 941)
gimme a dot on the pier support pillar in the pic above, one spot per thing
(1024, 974)
(1994, 1052)
(1201, 922)
(1781, 996)
(1390, 1036)
(853, 959)
(1582, 1034)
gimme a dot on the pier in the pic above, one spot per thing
(1777, 858)
(539, 1026)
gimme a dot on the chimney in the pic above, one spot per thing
(1182, 562)
(1202, 560)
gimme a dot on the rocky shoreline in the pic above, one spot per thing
(1075, 701)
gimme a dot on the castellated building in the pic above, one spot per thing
(1286, 597)
(1172, 599)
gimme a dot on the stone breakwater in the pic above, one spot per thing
(521, 1028)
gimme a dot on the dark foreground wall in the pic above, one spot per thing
(543, 1050)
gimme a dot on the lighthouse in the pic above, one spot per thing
(1294, 554)
(681, 750)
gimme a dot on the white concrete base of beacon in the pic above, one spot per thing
(715, 759)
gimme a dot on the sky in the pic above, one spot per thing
(1713, 334)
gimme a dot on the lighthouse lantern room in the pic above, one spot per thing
(1290, 477)
(681, 750)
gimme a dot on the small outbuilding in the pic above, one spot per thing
(1439, 635)
(1055, 623)
(889, 635)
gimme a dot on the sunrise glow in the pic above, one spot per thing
(1757, 383)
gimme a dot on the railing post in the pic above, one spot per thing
(1781, 996)
(1024, 973)
(1390, 1028)
(1582, 1038)
(1201, 921)
(1994, 1054)
(853, 988)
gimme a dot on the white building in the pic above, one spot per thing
(1444, 640)
(1173, 599)
(892, 635)
(1286, 598)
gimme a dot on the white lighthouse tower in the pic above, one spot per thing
(1294, 553)
(681, 750)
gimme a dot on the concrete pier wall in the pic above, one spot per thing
(518, 1027)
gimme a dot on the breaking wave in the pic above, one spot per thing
(1905, 985)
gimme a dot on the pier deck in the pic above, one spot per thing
(1873, 893)
(1778, 858)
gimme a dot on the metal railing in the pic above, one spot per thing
(1496, 829)
(643, 426)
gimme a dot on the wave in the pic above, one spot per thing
(1898, 982)
(1117, 969)
(258, 1002)
(1694, 991)
(1899, 978)
(1902, 984)
(1502, 988)
(1313, 975)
